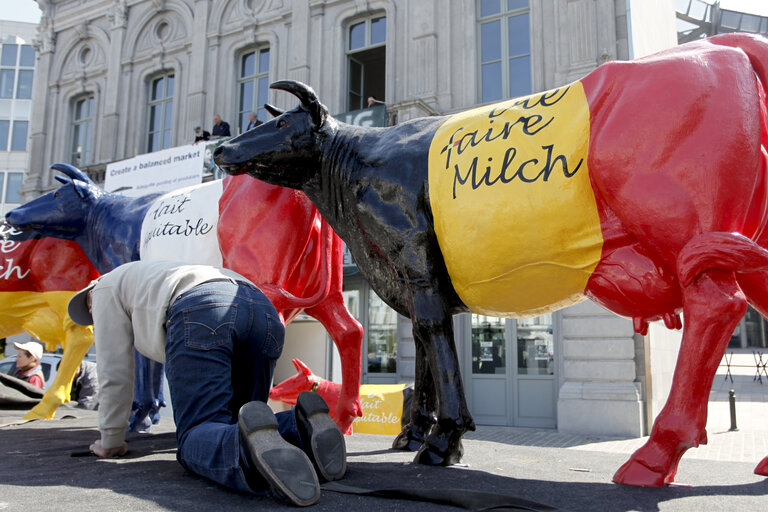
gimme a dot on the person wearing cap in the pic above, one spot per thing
(219, 337)
(201, 134)
(28, 366)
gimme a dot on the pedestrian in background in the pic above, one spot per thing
(85, 386)
(253, 122)
(201, 134)
(220, 128)
(28, 366)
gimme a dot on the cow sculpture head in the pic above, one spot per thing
(284, 151)
(63, 212)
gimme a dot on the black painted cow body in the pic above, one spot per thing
(370, 185)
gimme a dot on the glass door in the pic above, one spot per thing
(379, 321)
(534, 380)
(490, 370)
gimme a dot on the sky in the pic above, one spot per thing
(20, 10)
(27, 10)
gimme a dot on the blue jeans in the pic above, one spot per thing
(222, 341)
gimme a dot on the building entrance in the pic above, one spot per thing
(511, 370)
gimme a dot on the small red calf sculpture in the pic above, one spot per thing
(288, 390)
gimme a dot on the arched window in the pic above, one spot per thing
(253, 86)
(366, 61)
(160, 112)
(505, 49)
(82, 128)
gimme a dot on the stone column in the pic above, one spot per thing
(44, 45)
(599, 394)
(298, 28)
(109, 133)
(197, 71)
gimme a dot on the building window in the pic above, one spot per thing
(253, 86)
(19, 136)
(10, 190)
(13, 187)
(15, 80)
(382, 336)
(505, 49)
(160, 113)
(14, 132)
(366, 61)
(5, 128)
(82, 125)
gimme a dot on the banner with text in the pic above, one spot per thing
(161, 171)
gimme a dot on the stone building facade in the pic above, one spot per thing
(118, 78)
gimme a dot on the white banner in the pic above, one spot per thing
(182, 226)
(161, 171)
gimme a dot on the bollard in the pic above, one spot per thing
(732, 401)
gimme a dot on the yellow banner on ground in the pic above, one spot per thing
(382, 409)
(515, 213)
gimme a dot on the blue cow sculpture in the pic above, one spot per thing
(108, 229)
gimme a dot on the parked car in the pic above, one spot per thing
(48, 362)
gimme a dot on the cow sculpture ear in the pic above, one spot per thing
(301, 367)
(319, 113)
(82, 189)
(273, 111)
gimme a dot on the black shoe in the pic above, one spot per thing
(285, 467)
(320, 436)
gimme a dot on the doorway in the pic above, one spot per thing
(511, 370)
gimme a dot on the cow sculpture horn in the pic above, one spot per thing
(307, 97)
(72, 172)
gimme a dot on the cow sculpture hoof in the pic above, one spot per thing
(443, 447)
(762, 468)
(410, 438)
(637, 473)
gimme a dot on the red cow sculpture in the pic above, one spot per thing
(304, 273)
(37, 278)
(643, 186)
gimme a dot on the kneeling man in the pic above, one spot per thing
(219, 337)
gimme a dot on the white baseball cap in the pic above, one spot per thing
(33, 348)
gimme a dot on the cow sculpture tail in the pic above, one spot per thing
(721, 251)
(282, 299)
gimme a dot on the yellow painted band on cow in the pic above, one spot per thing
(44, 316)
(514, 211)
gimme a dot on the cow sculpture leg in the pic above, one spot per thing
(77, 341)
(347, 334)
(423, 407)
(713, 305)
(433, 330)
(755, 287)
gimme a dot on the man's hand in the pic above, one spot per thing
(100, 451)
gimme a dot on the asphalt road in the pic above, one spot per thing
(39, 473)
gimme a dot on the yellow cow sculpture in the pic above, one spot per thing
(37, 278)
